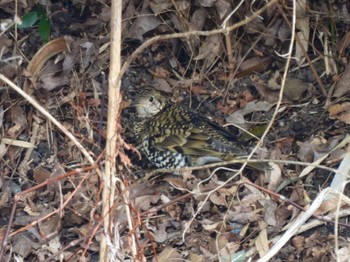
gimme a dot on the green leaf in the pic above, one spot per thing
(44, 29)
(28, 19)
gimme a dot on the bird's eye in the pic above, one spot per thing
(151, 99)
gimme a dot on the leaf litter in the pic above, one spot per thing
(204, 215)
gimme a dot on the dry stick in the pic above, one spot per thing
(229, 48)
(112, 147)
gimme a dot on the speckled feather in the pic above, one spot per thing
(173, 136)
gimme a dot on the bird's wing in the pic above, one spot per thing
(197, 138)
(208, 141)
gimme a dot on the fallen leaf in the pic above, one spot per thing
(218, 198)
(223, 7)
(261, 242)
(144, 23)
(160, 235)
(270, 208)
(340, 112)
(19, 120)
(144, 202)
(51, 82)
(168, 254)
(210, 50)
(342, 86)
(253, 65)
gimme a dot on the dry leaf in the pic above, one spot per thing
(168, 254)
(210, 50)
(340, 112)
(270, 208)
(144, 23)
(144, 202)
(261, 242)
(343, 86)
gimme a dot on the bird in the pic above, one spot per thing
(172, 136)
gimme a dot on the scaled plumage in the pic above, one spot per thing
(173, 136)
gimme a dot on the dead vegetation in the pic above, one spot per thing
(73, 186)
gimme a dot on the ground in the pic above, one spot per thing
(51, 195)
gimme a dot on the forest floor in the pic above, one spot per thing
(285, 95)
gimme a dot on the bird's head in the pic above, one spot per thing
(149, 102)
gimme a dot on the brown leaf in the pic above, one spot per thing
(168, 254)
(162, 84)
(5, 193)
(199, 90)
(143, 24)
(344, 43)
(9, 70)
(303, 33)
(270, 208)
(49, 50)
(51, 82)
(342, 86)
(24, 245)
(254, 64)
(298, 243)
(161, 72)
(41, 174)
(218, 198)
(50, 226)
(295, 89)
(223, 7)
(340, 112)
(261, 242)
(144, 202)
(160, 235)
(18, 117)
(210, 50)
(198, 19)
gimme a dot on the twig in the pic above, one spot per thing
(113, 144)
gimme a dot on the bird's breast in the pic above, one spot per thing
(163, 158)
